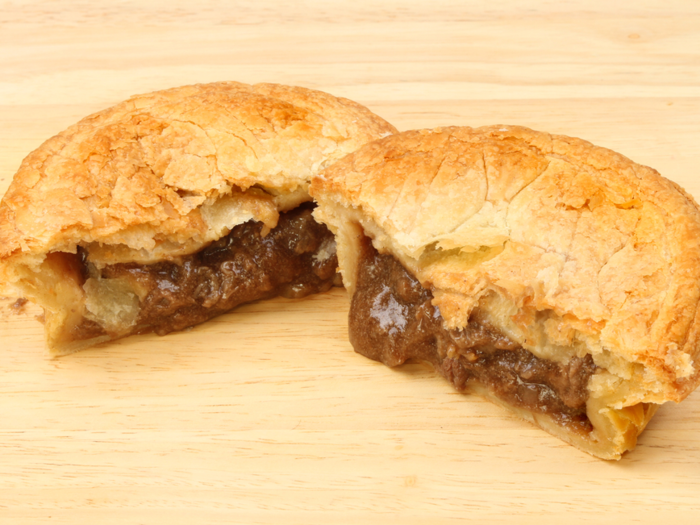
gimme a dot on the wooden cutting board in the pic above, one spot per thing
(266, 415)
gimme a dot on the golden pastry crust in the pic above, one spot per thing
(144, 173)
(570, 248)
(163, 174)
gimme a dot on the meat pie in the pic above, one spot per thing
(558, 279)
(175, 206)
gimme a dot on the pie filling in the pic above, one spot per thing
(294, 259)
(392, 320)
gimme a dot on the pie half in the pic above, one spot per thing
(556, 278)
(175, 206)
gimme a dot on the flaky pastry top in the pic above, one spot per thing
(163, 173)
(574, 247)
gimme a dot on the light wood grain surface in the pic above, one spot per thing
(266, 415)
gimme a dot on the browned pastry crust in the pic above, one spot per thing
(567, 248)
(161, 176)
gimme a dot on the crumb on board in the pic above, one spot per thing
(11, 306)
(18, 305)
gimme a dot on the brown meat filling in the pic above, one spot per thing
(392, 320)
(294, 259)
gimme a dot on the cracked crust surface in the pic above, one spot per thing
(163, 173)
(572, 249)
